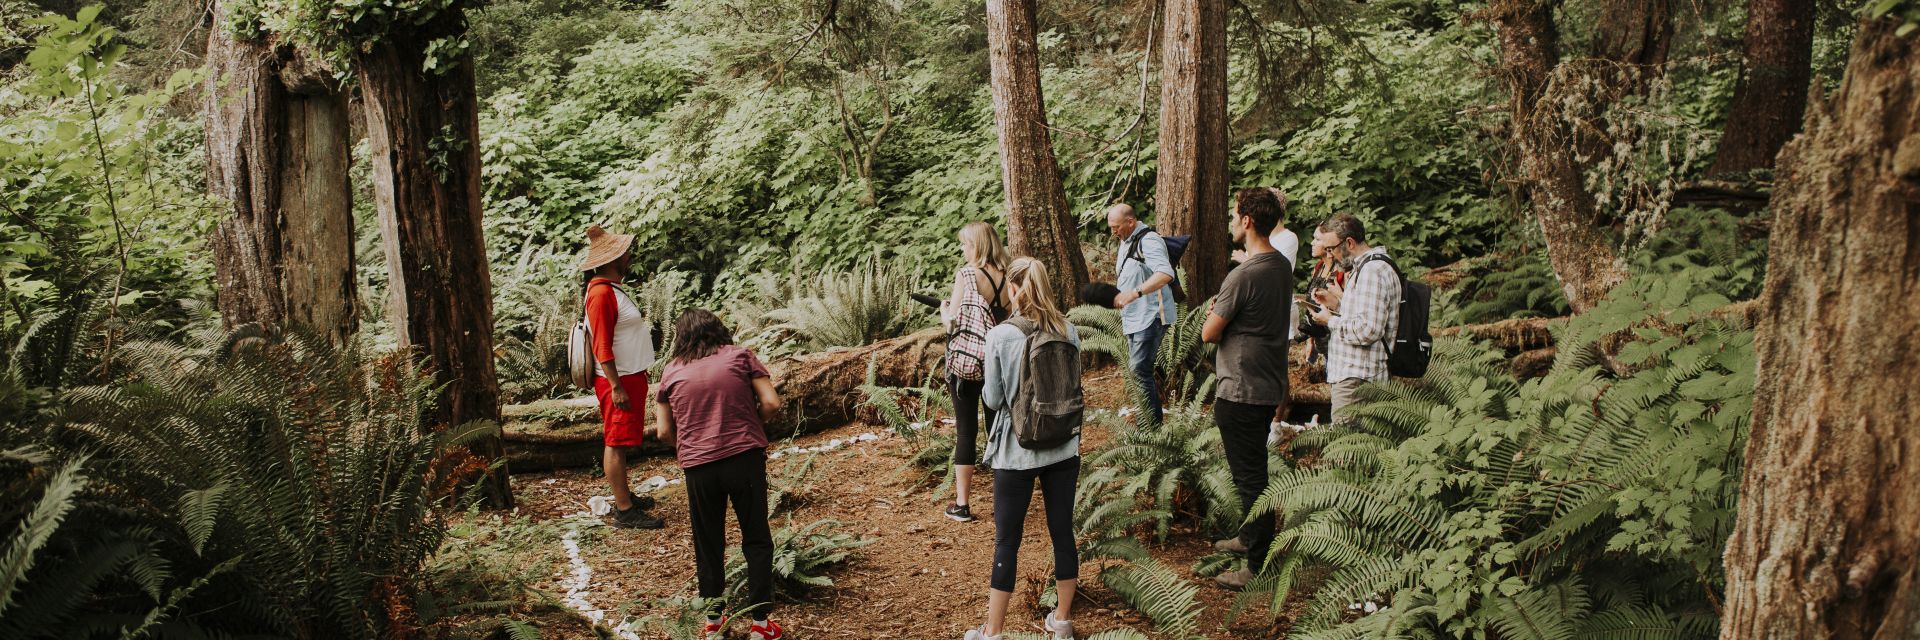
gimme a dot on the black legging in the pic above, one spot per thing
(1012, 494)
(742, 480)
(966, 418)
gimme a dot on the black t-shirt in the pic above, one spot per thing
(1256, 302)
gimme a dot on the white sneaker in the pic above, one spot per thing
(1274, 434)
(980, 634)
(1061, 629)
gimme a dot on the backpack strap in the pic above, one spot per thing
(1386, 340)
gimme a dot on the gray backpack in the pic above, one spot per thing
(1047, 406)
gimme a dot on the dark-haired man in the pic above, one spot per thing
(1360, 317)
(1251, 320)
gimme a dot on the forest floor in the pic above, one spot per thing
(921, 576)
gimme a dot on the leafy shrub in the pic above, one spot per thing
(856, 308)
(1582, 502)
(1177, 465)
(801, 558)
(300, 477)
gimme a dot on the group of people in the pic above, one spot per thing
(714, 398)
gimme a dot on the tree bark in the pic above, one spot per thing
(1828, 532)
(278, 153)
(1039, 224)
(1580, 250)
(1772, 95)
(423, 129)
(1191, 193)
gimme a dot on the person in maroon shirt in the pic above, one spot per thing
(714, 401)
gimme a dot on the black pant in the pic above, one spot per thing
(966, 418)
(1012, 494)
(1243, 433)
(742, 480)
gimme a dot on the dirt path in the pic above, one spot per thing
(923, 576)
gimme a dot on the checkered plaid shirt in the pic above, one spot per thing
(1369, 315)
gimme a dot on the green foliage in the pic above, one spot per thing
(1165, 596)
(791, 486)
(861, 307)
(913, 414)
(1177, 465)
(1582, 503)
(339, 474)
(801, 558)
(1501, 288)
(100, 211)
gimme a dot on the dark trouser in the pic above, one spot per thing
(966, 418)
(1143, 347)
(742, 480)
(1243, 433)
(1012, 494)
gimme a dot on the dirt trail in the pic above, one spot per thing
(924, 576)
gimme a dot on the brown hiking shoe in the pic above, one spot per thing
(1230, 545)
(1234, 580)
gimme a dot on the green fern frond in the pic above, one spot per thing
(1160, 593)
(56, 500)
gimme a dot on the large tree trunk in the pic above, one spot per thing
(1772, 96)
(1192, 185)
(277, 152)
(1580, 250)
(1038, 221)
(1828, 533)
(423, 129)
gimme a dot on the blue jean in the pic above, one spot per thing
(1143, 347)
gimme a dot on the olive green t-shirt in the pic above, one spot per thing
(1256, 302)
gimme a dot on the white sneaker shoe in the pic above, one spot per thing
(1061, 629)
(980, 634)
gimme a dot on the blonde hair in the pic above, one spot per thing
(1033, 295)
(987, 249)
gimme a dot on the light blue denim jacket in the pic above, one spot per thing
(1129, 274)
(1006, 353)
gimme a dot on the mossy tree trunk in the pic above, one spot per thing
(1579, 248)
(1039, 224)
(1827, 540)
(423, 130)
(278, 153)
(1192, 187)
(1772, 96)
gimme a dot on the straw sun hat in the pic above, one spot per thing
(603, 247)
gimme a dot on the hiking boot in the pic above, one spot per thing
(637, 518)
(766, 630)
(1234, 580)
(959, 513)
(1061, 629)
(714, 630)
(1230, 545)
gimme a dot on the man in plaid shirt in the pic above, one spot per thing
(1362, 317)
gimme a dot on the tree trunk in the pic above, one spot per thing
(1580, 250)
(1192, 187)
(1828, 532)
(1038, 221)
(1772, 95)
(423, 129)
(277, 152)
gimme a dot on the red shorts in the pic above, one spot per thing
(624, 427)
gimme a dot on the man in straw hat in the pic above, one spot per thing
(623, 348)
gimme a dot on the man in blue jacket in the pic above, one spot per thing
(1145, 303)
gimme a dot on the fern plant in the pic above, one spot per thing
(801, 559)
(1158, 591)
(1581, 504)
(851, 309)
(308, 467)
(1177, 466)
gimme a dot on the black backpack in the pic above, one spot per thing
(1176, 247)
(1411, 346)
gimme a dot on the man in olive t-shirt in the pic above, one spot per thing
(1251, 319)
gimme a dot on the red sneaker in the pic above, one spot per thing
(715, 630)
(767, 630)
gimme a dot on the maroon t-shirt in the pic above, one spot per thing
(716, 414)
